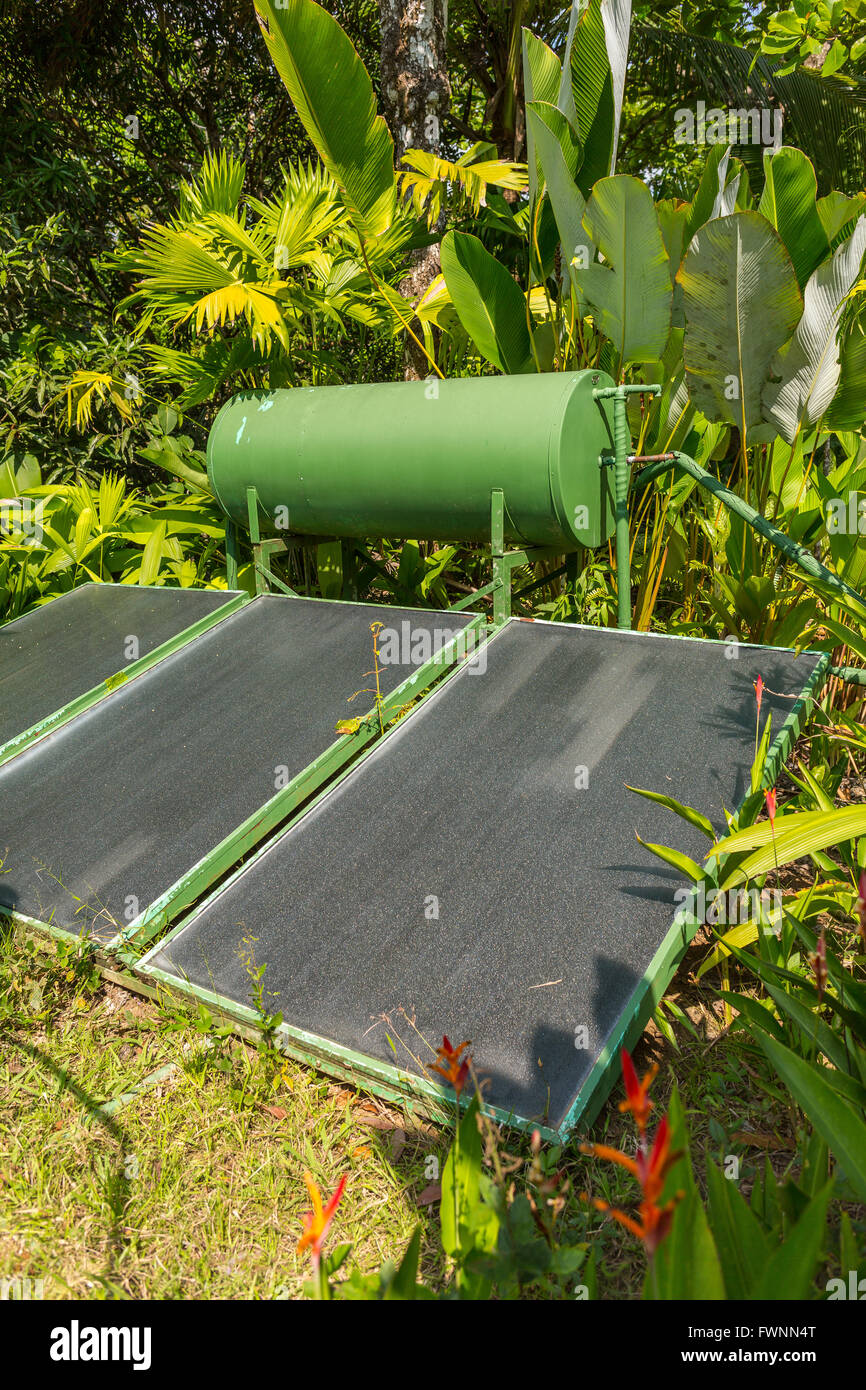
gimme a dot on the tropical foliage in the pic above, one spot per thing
(570, 234)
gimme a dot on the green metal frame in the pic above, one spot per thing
(317, 776)
(83, 702)
(503, 562)
(394, 1084)
(665, 963)
(264, 577)
(322, 771)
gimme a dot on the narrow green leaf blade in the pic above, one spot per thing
(489, 303)
(838, 1122)
(333, 95)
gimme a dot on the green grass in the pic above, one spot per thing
(194, 1188)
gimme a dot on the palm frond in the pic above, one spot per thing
(427, 175)
(85, 389)
(203, 374)
(216, 188)
(825, 118)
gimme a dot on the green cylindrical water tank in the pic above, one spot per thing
(420, 459)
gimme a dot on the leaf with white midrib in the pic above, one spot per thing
(741, 303)
(807, 369)
(632, 291)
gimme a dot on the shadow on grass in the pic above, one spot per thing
(117, 1188)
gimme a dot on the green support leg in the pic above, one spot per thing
(622, 477)
(231, 555)
(261, 562)
(622, 446)
(501, 569)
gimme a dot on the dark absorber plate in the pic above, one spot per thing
(479, 875)
(60, 651)
(99, 818)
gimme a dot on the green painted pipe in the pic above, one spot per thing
(759, 523)
(622, 479)
(421, 459)
(854, 675)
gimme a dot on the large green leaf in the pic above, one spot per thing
(806, 372)
(631, 293)
(702, 206)
(838, 214)
(789, 201)
(334, 98)
(686, 813)
(489, 303)
(677, 860)
(835, 1120)
(672, 217)
(17, 478)
(566, 198)
(151, 559)
(542, 72)
(616, 17)
(741, 303)
(562, 131)
(740, 1242)
(846, 409)
(731, 175)
(592, 93)
(787, 1275)
(792, 837)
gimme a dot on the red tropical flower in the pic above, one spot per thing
(650, 1166)
(317, 1221)
(651, 1169)
(652, 1226)
(861, 905)
(450, 1066)
(636, 1098)
(759, 691)
(770, 798)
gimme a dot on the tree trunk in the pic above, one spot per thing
(415, 95)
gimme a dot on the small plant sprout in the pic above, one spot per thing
(351, 726)
(376, 628)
